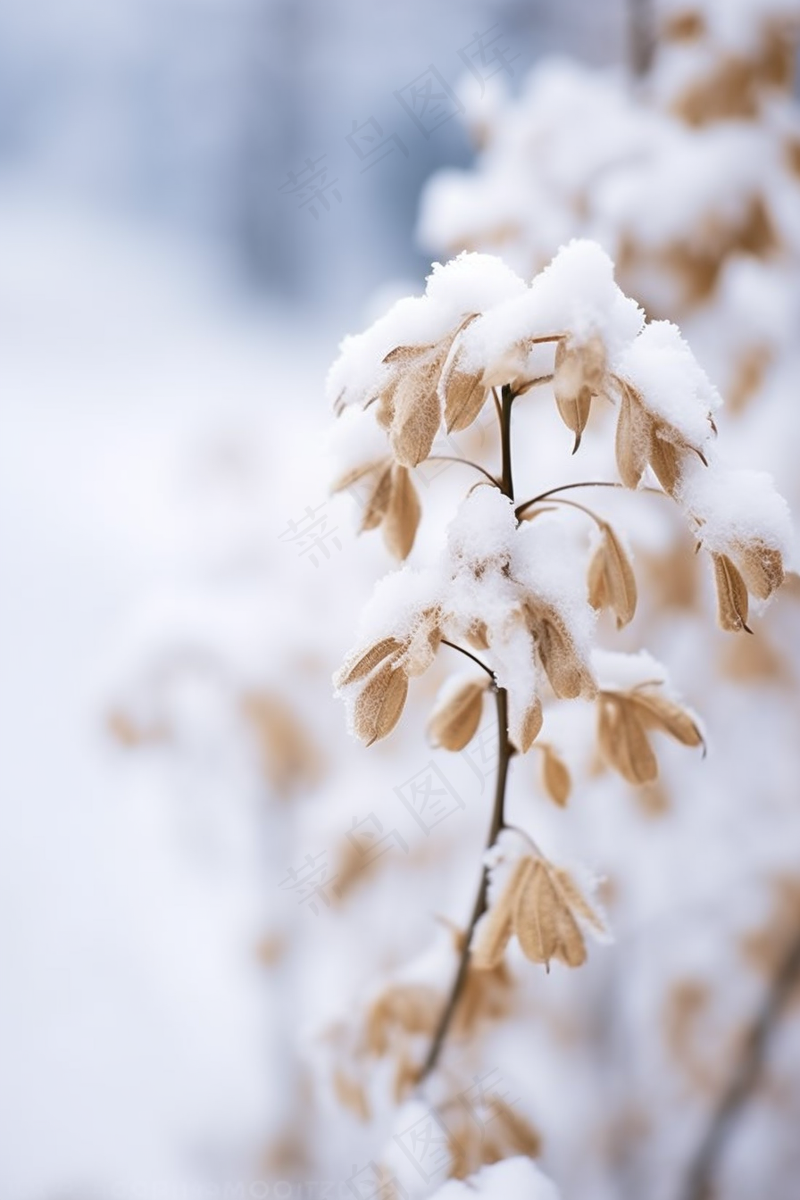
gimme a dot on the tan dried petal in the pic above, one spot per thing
(623, 740)
(378, 500)
(555, 776)
(657, 712)
(379, 706)
(761, 567)
(732, 600)
(358, 666)
(612, 582)
(402, 514)
(519, 1135)
(633, 436)
(454, 723)
(531, 725)
(543, 920)
(497, 926)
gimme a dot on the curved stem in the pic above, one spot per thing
(565, 487)
(465, 462)
(479, 907)
(469, 654)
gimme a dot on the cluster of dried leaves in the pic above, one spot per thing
(544, 908)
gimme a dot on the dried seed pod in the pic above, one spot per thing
(454, 720)
(544, 922)
(555, 776)
(612, 583)
(379, 706)
(358, 666)
(732, 600)
(402, 515)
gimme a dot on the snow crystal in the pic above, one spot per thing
(396, 604)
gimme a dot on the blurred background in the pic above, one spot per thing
(198, 199)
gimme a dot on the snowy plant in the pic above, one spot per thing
(507, 585)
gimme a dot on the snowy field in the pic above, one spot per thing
(130, 1012)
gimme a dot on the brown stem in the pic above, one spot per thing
(507, 479)
(465, 462)
(479, 907)
(698, 1185)
(565, 487)
(506, 750)
(474, 657)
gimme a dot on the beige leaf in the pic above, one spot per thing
(623, 740)
(402, 514)
(543, 921)
(578, 376)
(378, 499)
(555, 776)
(612, 582)
(453, 724)
(665, 459)
(633, 435)
(531, 725)
(379, 706)
(359, 666)
(497, 926)
(732, 601)
(354, 474)
(478, 635)
(417, 411)
(761, 567)
(657, 712)
(569, 676)
(596, 578)
(577, 901)
(463, 391)
(423, 644)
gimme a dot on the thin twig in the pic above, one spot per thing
(479, 907)
(507, 477)
(565, 487)
(744, 1079)
(465, 462)
(506, 750)
(469, 654)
